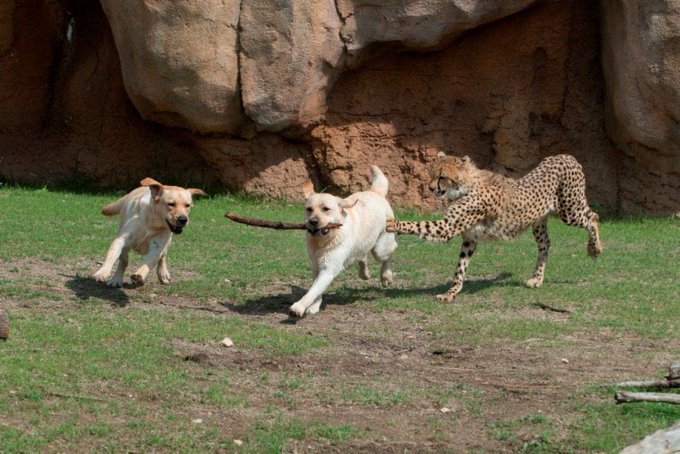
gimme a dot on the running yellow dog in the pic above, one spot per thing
(149, 215)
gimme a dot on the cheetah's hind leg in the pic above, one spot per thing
(594, 244)
(540, 231)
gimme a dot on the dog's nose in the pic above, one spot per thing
(313, 222)
(182, 220)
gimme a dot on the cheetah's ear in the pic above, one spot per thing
(465, 159)
(308, 188)
(441, 155)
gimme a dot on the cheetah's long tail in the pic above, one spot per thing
(379, 183)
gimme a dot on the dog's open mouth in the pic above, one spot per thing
(174, 228)
(319, 232)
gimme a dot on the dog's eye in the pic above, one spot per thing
(171, 204)
(325, 209)
(309, 209)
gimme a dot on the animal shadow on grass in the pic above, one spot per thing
(281, 302)
(471, 285)
(86, 288)
(343, 295)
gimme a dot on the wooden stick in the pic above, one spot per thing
(278, 225)
(625, 397)
(75, 396)
(554, 309)
(4, 324)
(673, 383)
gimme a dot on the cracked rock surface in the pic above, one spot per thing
(259, 96)
(211, 65)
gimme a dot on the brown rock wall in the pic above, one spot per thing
(506, 93)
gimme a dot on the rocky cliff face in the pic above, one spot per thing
(261, 95)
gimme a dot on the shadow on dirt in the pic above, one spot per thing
(86, 288)
(473, 285)
(280, 302)
(274, 303)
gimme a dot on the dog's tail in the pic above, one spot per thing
(379, 183)
(113, 208)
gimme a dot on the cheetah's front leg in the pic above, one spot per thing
(440, 231)
(466, 251)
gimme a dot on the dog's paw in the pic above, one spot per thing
(391, 225)
(386, 278)
(101, 276)
(297, 310)
(164, 278)
(115, 282)
(313, 309)
(137, 280)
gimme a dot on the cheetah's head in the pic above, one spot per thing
(452, 177)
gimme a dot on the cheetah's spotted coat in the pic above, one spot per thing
(487, 206)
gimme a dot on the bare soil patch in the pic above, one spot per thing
(408, 373)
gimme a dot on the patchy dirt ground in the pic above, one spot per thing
(485, 384)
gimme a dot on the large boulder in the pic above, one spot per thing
(641, 63)
(506, 93)
(6, 25)
(665, 441)
(181, 68)
(376, 27)
(179, 61)
(28, 57)
(291, 55)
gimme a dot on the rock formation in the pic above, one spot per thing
(641, 62)
(262, 95)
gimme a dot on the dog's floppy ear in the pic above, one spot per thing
(308, 188)
(154, 186)
(345, 204)
(194, 191)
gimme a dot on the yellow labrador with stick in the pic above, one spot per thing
(341, 232)
(149, 215)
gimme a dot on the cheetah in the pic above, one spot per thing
(487, 206)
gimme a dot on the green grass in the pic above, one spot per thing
(88, 368)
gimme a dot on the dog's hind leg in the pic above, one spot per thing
(382, 252)
(364, 272)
